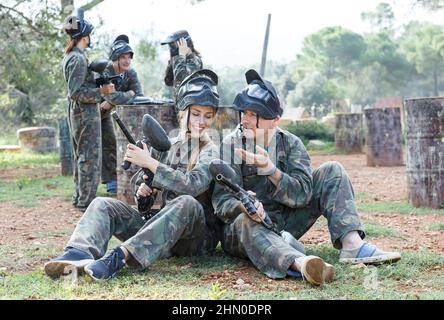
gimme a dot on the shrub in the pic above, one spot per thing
(309, 130)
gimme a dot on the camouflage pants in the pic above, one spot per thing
(109, 151)
(333, 197)
(84, 125)
(178, 229)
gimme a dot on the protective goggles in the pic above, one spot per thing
(197, 86)
(257, 92)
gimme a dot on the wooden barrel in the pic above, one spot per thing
(425, 151)
(383, 137)
(132, 116)
(37, 139)
(65, 149)
(348, 134)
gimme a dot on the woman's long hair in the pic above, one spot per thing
(203, 140)
(71, 44)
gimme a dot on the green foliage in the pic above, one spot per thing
(382, 18)
(423, 46)
(311, 131)
(216, 292)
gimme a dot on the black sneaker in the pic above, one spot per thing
(63, 265)
(106, 267)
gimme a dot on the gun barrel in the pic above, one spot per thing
(221, 178)
(123, 128)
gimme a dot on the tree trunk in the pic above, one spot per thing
(67, 6)
(435, 83)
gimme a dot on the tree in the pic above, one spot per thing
(333, 51)
(32, 36)
(382, 18)
(423, 46)
(314, 89)
(431, 5)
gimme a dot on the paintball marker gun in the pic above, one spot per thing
(153, 135)
(224, 174)
(99, 67)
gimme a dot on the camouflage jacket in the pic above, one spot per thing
(82, 89)
(129, 82)
(294, 190)
(172, 178)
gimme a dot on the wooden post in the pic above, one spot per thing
(264, 50)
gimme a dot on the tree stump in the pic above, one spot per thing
(37, 139)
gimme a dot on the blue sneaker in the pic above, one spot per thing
(111, 187)
(106, 267)
(64, 264)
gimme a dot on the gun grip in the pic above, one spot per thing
(126, 165)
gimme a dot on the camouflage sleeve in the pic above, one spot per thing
(134, 83)
(124, 97)
(78, 88)
(295, 187)
(192, 183)
(225, 205)
(184, 66)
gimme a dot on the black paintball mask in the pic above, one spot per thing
(77, 27)
(259, 97)
(174, 37)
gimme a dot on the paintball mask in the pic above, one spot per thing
(76, 26)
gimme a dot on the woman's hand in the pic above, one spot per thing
(138, 156)
(183, 47)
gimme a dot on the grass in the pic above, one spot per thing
(396, 207)
(417, 276)
(329, 149)
(26, 192)
(375, 230)
(181, 278)
(10, 160)
(437, 226)
(8, 138)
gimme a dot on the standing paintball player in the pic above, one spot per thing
(184, 58)
(120, 55)
(83, 110)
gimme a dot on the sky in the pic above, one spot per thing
(231, 32)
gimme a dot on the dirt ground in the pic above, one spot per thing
(50, 223)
